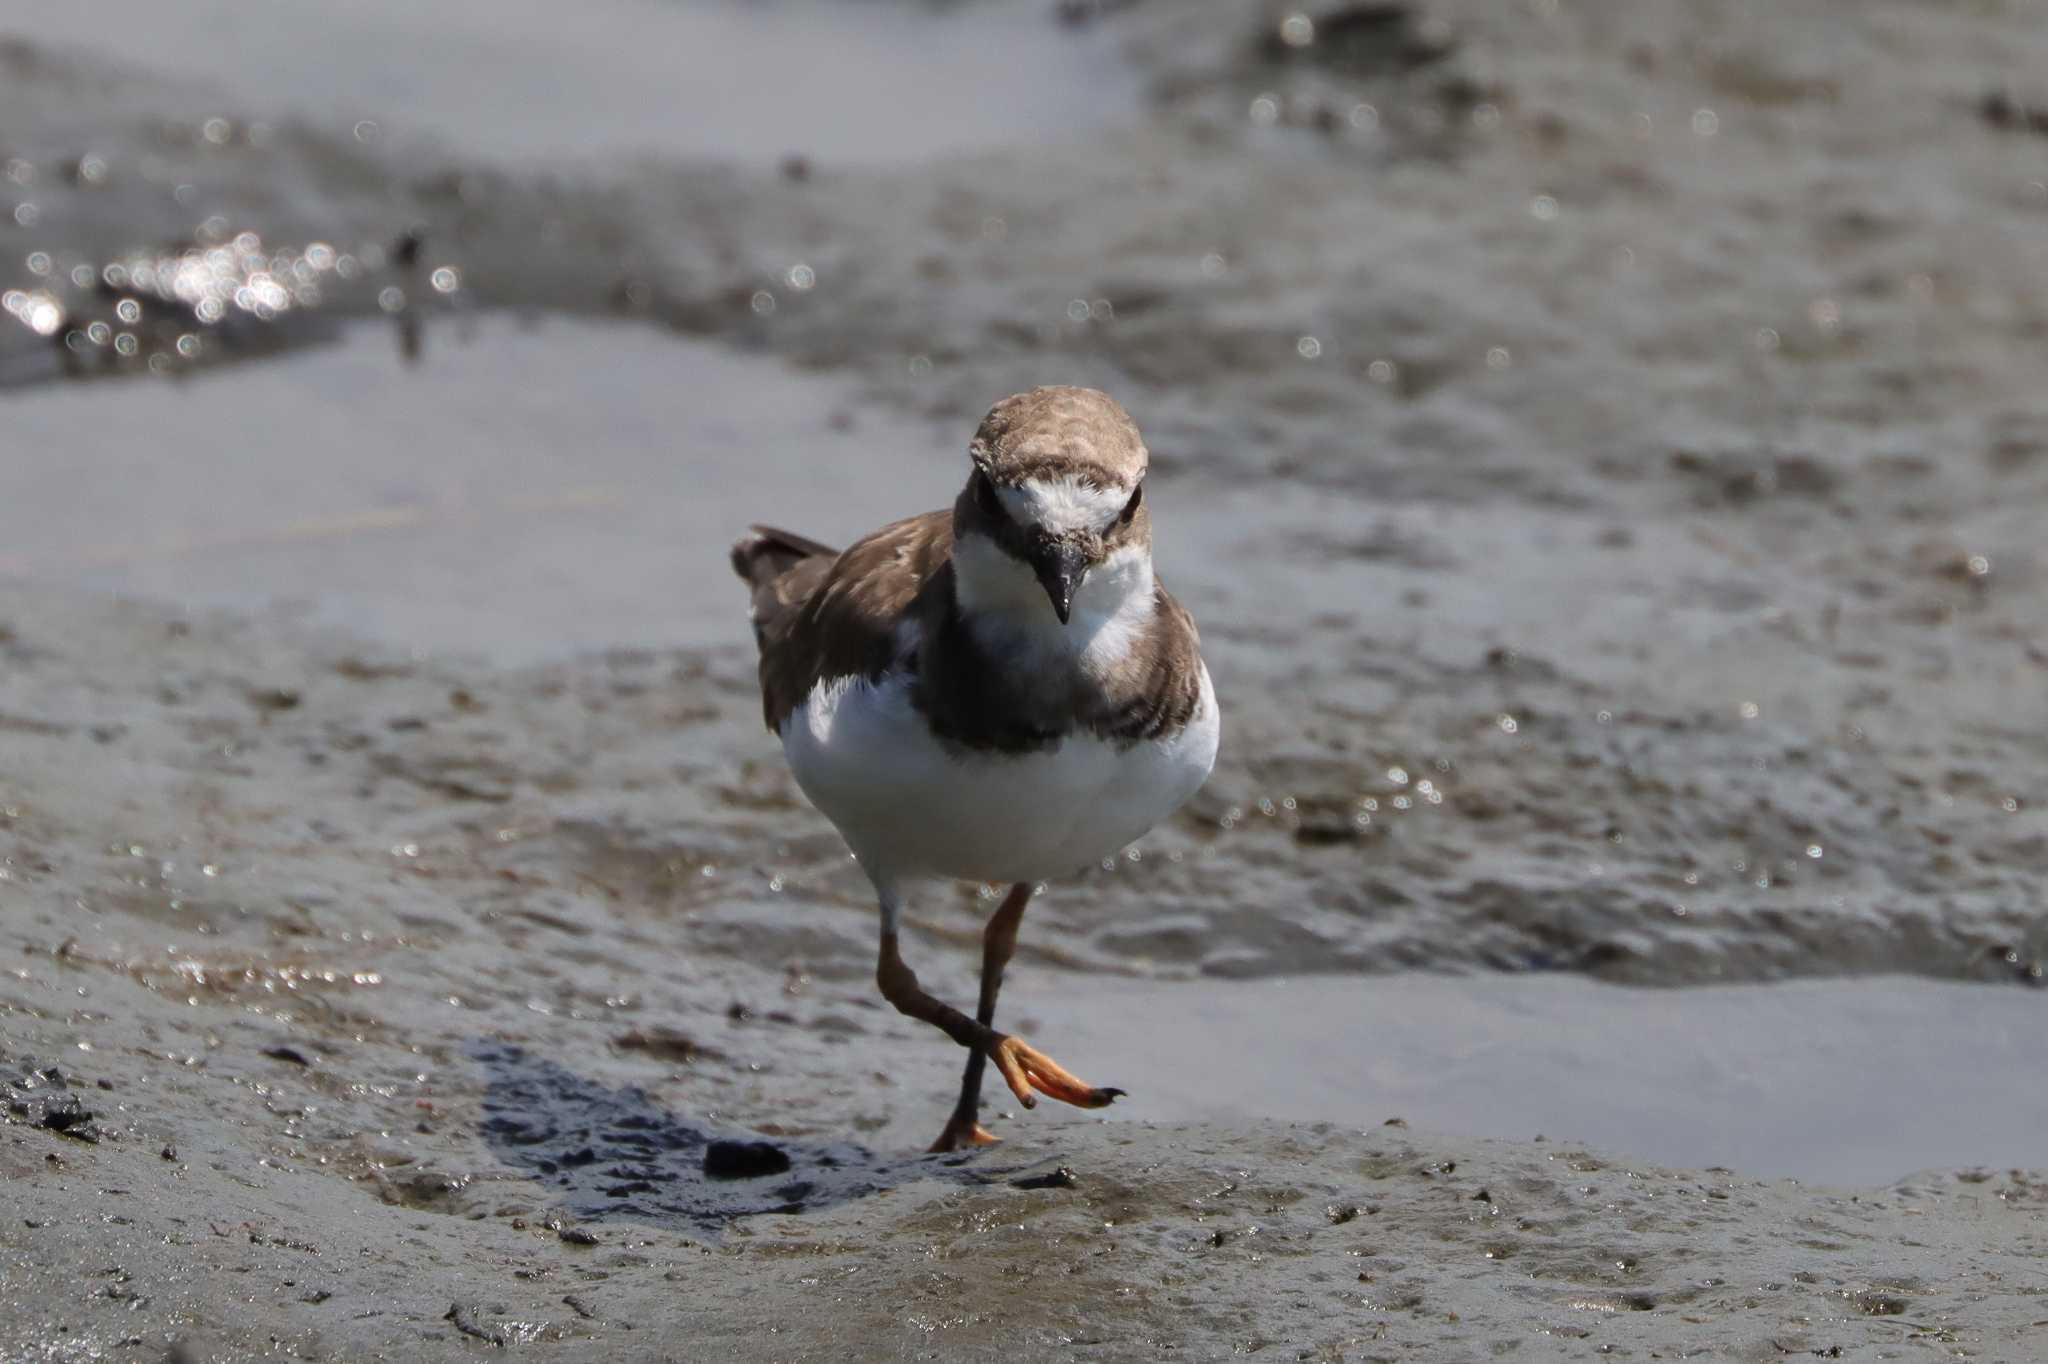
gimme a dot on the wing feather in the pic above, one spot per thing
(820, 617)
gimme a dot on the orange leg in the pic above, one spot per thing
(1028, 1071)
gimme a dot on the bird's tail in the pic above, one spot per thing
(764, 554)
(762, 557)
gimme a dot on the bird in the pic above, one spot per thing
(1001, 692)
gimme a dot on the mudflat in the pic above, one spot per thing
(361, 1006)
(1604, 447)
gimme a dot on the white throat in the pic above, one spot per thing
(1006, 607)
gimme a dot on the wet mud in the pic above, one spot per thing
(1625, 426)
(1318, 1241)
(403, 1006)
(1603, 446)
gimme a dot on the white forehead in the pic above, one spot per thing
(1063, 504)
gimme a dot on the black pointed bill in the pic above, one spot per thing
(1060, 567)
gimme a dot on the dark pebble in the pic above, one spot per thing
(66, 1117)
(744, 1159)
(466, 1322)
(273, 698)
(2001, 110)
(1062, 1178)
(663, 1045)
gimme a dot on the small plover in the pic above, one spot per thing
(1002, 692)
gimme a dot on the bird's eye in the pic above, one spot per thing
(985, 496)
(1131, 507)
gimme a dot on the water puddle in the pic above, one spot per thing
(752, 82)
(522, 489)
(1840, 1082)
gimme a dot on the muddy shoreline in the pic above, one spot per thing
(405, 1038)
(1115, 1243)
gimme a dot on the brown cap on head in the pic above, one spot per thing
(1060, 433)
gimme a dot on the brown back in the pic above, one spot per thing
(825, 616)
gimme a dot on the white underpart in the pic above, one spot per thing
(1063, 504)
(912, 809)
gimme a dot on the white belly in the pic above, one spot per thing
(909, 807)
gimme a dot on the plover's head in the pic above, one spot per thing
(1055, 502)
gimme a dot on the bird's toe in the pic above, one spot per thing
(1030, 1072)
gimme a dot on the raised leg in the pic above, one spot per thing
(1028, 1071)
(900, 987)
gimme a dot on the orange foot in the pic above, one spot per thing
(1030, 1072)
(961, 1133)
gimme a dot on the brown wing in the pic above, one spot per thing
(823, 618)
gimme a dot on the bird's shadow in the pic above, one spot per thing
(614, 1153)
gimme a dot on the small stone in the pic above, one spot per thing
(744, 1159)
(1062, 1178)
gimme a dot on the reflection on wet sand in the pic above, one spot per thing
(226, 297)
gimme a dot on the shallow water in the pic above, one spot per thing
(531, 81)
(523, 489)
(1829, 1082)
